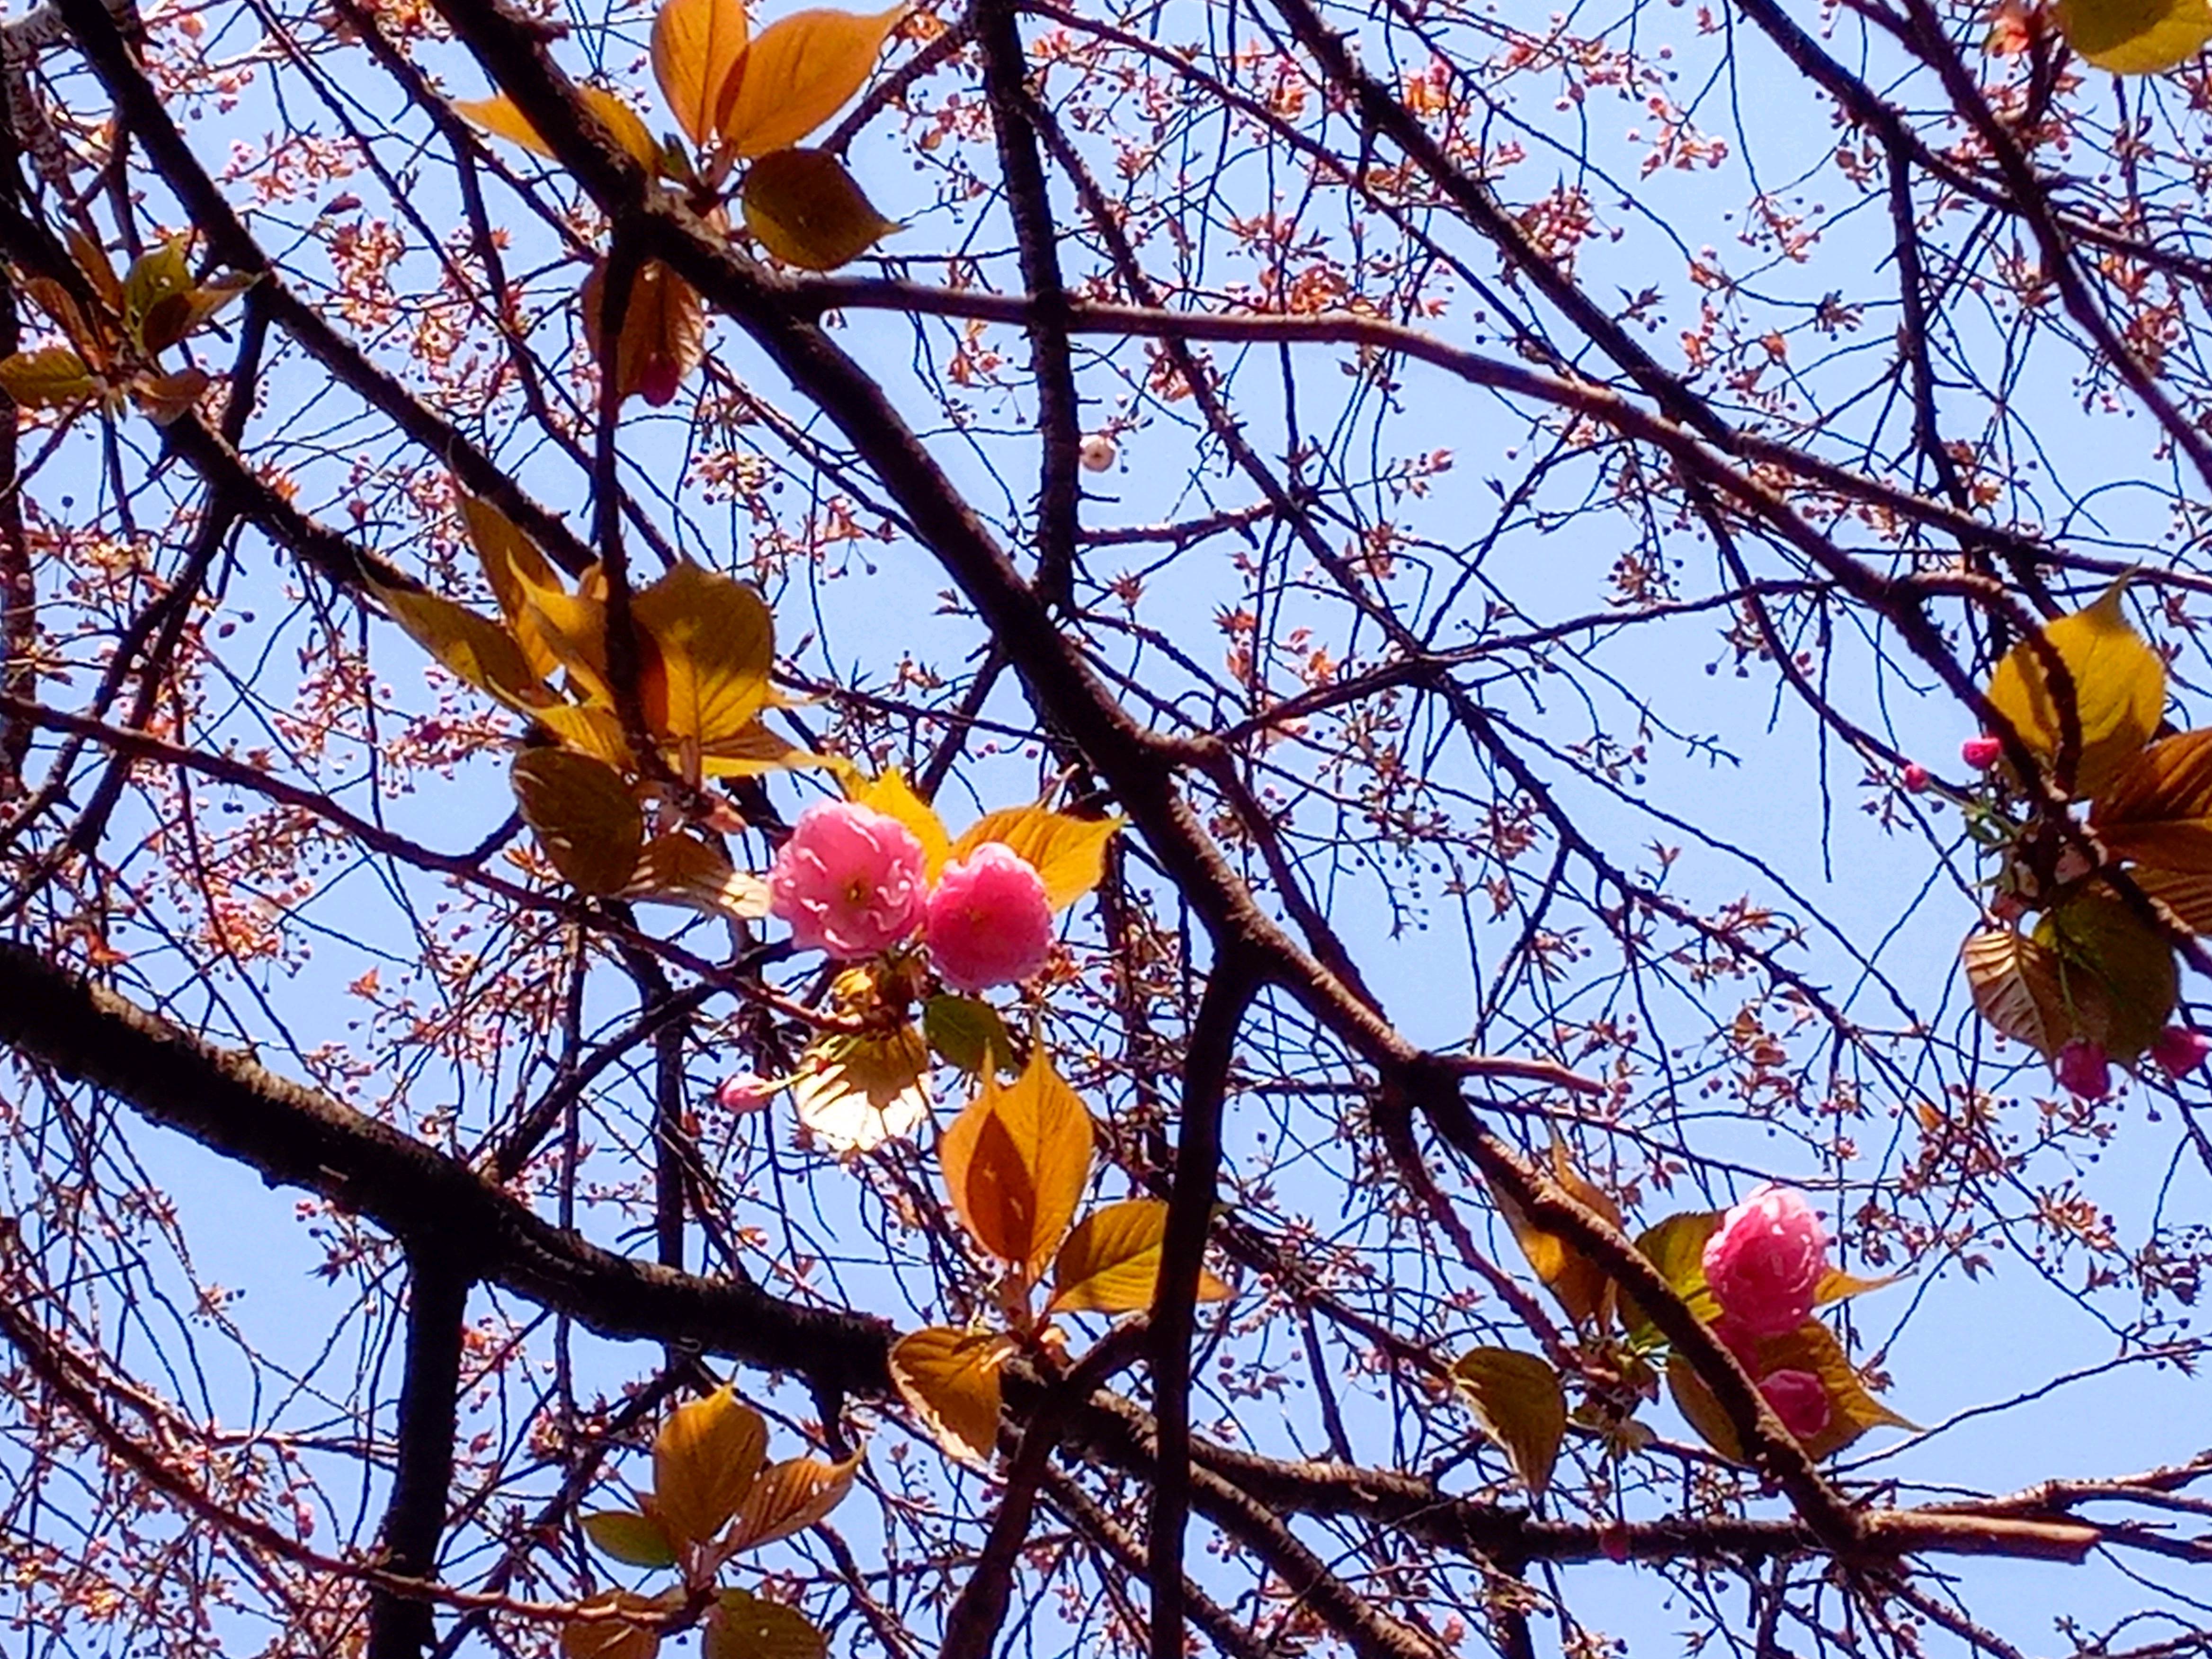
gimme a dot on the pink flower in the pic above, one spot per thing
(989, 922)
(1914, 778)
(1981, 753)
(2180, 1051)
(743, 1092)
(1798, 1399)
(850, 881)
(1765, 1262)
(2084, 1069)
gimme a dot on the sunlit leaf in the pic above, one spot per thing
(1852, 1411)
(612, 1639)
(52, 377)
(514, 567)
(950, 1379)
(2159, 810)
(696, 44)
(2015, 984)
(797, 75)
(2187, 893)
(583, 815)
(855, 1092)
(155, 311)
(894, 797)
(805, 208)
(92, 334)
(705, 1461)
(790, 1496)
(638, 1540)
(967, 1032)
(1111, 1262)
(743, 1625)
(1583, 1288)
(755, 750)
(2136, 37)
(1676, 1246)
(498, 116)
(706, 647)
(165, 398)
(2118, 691)
(587, 729)
(2116, 972)
(476, 648)
(680, 869)
(1015, 1162)
(92, 259)
(1837, 1285)
(1069, 852)
(1518, 1401)
(664, 333)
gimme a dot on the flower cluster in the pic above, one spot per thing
(1764, 1264)
(854, 882)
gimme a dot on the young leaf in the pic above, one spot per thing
(92, 259)
(2015, 983)
(967, 1032)
(166, 398)
(705, 1461)
(612, 1639)
(1015, 1162)
(695, 45)
(1111, 1261)
(680, 869)
(92, 335)
(638, 1540)
(2118, 691)
(791, 1497)
(498, 116)
(155, 311)
(587, 729)
(1837, 1285)
(894, 797)
(52, 377)
(476, 649)
(805, 208)
(1701, 1410)
(584, 816)
(2136, 37)
(1069, 852)
(664, 333)
(2187, 893)
(743, 1625)
(950, 1378)
(1520, 1404)
(2159, 811)
(1852, 1410)
(853, 1093)
(514, 567)
(2116, 971)
(1676, 1246)
(798, 75)
(706, 643)
(754, 749)
(1581, 1285)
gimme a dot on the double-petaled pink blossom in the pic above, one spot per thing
(1765, 1262)
(851, 881)
(989, 922)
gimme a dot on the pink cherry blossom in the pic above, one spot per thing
(851, 881)
(1981, 753)
(2084, 1069)
(2179, 1050)
(1798, 1399)
(743, 1092)
(1765, 1262)
(989, 921)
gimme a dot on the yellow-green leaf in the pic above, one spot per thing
(2136, 37)
(155, 311)
(855, 1092)
(706, 643)
(584, 816)
(1111, 1261)
(705, 1461)
(664, 333)
(743, 1625)
(950, 1379)
(474, 647)
(2118, 691)
(1852, 1410)
(799, 74)
(1518, 1401)
(514, 567)
(680, 869)
(805, 208)
(754, 750)
(791, 1497)
(2015, 983)
(2159, 810)
(2115, 971)
(1583, 1288)
(1837, 1285)
(1676, 1246)
(498, 116)
(1701, 1411)
(1015, 1162)
(587, 729)
(967, 1032)
(894, 797)
(1069, 852)
(638, 1540)
(52, 377)
(695, 45)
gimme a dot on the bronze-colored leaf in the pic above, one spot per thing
(1583, 1288)
(165, 398)
(583, 815)
(797, 75)
(156, 313)
(695, 45)
(805, 208)
(743, 1625)
(950, 1379)
(1518, 1401)
(676, 868)
(790, 1496)
(2118, 691)
(664, 333)
(1016, 1162)
(614, 1638)
(2159, 810)
(705, 1461)
(1111, 1262)
(2015, 984)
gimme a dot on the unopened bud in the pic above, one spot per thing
(743, 1093)
(2179, 1050)
(1914, 778)
(1981, 753)
(2084, 1070)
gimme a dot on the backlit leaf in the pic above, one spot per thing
(160, 277)
(2119, 690)
(587, 729)
(2187, 893)
(583, 815)
(680, 869)
(1701, 1410)
(1518, 1401)
(92, 259)
(164, 398)
(1837, 1285)
(1852, 1411)
(52, 377)
(855, 1092)
(791, 1497)
(664, 333)
(612, 1639)
(707, 645)
(474, 647)
(894, 797)
(1069, 852)
(2136, 37)
(967, 1032)
(498, 116)
(638, 1541)
(93, 334)
(2015, 983)
(754, 750)
(705, 1461)
(799, 74)
(1111, 1261)
(2115, 971)
(696, 44)
(1676, 1246)
(743, 1625)
(513, 566)
(805, 208)
(2159, 810)
(1581, 1285)
(950, 1378)
(1015, 1162)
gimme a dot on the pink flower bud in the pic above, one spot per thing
(1914, 778)
(1981, 753)
(989, 922)
(851, 881)
(743, 1092)
(2179, 1050)
(659, 381)
(1765, 1263)
(1798, 1399)
(2083, 1069)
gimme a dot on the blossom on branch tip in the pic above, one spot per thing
(1981, 753)
(2084, 1069)
(989, 921)
(2179, 1050)
(1765, 1262)
(1798, 1399)
(851, 881)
